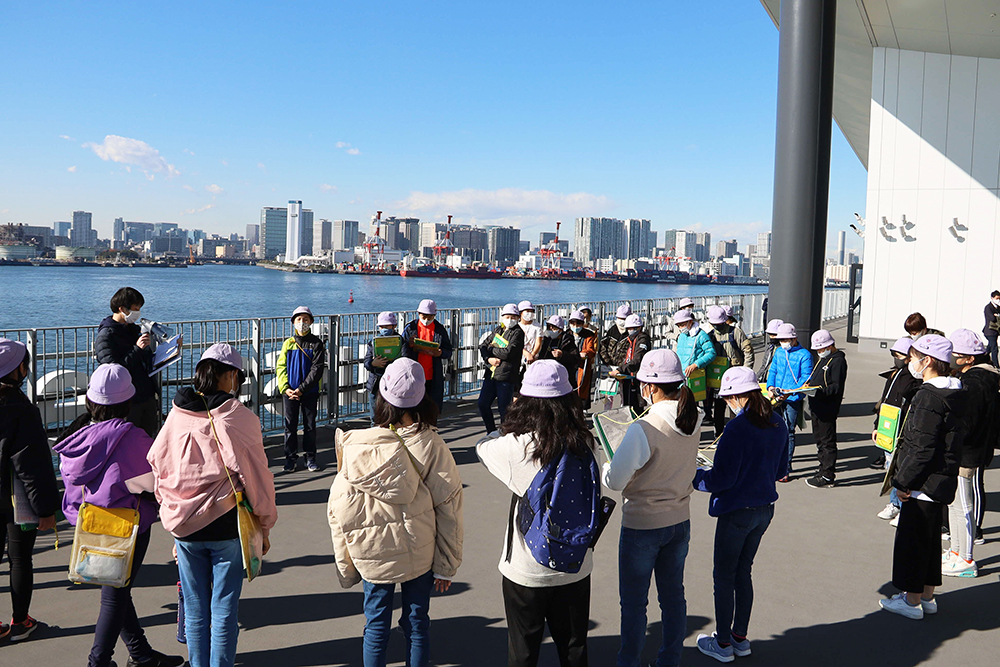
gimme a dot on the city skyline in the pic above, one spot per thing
(680, 132)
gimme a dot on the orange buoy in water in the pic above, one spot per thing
(351, 299)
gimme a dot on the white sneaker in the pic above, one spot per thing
(929, 606)
(947, 556)
(890, 512)
(895, 521)
(897, 604)
(959, 567)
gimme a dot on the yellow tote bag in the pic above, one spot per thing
(103, 545)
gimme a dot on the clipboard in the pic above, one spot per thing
(424, 345)
(167, 354)
(387, 346)
(888, 427)
(611, 426)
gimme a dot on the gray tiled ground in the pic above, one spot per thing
(822, 567)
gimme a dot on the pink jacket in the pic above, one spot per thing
(191, 483)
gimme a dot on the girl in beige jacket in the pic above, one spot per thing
(395, 512)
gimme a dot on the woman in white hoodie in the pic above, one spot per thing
(395, 512)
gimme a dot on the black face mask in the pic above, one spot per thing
(898, 363)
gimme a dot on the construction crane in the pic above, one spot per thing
(374, 254)
(669, 262)
(444, 248)
(551, 255)
(191, 253)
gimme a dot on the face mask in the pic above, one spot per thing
(823, 354)
(576, 329)
(898, 363)
(786, 344)
(915, 370)
(632, 333)
(509, 322)
(132, 317)
(693, 330)
(914, 336)
(995, 302)
(642, 394)
(552, 334)
(528, 317)
(735, 407)
(621, 325)
(426, 321)
(302, 328)
(386, 331)
(954, 365)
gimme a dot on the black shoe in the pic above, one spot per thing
(158, 660)
(820, 482)
(877, 463)
(289, 466)
(21, 631)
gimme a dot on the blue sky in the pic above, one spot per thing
(516, 112)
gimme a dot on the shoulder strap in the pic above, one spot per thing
(510, 526)
(218, 445)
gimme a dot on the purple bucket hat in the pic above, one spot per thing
(786, 331)
(716, 315)
(546, 378)
(556, 321)
(623, 312)
(738, 380)
(110, 384)
(821, 339)
(403, 384)
(934, 346)
(510, 309)
(902, 345)
(660, 367)
(427, 307)
(633, 321)
(525, 305)
(966, 343)
(577, 315)
(772, 326)
(225, 353)
(682, 316)
(303, 310)
(387, 319)
(12, 353)
(686, 303)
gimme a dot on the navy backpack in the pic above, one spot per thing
(562, 514)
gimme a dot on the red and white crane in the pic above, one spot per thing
(551, 254)
(374, 255)
(444, 248)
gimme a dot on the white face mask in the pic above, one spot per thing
(620, 323)
(132, 317)
(642, 394)
(302, 328)
(996, 302)
(735, 407)
(426, 320)
(528, 317)
(823, 354)
(786, 344)
(509, 322)
(693, 330)
(914, 367)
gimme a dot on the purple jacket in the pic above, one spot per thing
(108, 459)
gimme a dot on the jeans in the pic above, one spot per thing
(502, 393)
(211, 578)
(566, 610)
(415, 621)
(791, 414)
(641, 554)
(291, 409)
(737, 537)
(119, 619)
(19, 546)
(991, 348)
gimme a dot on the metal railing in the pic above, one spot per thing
(62, 358)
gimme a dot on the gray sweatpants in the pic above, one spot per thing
(962, 514)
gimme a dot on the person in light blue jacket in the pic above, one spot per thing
(694, 347)
(790, 369)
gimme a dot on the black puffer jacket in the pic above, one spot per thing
(899, 390)
(830, 375)
(570, 357)
(115, 344)
(638, 347)
(981, 385)
(509, 369)
(931, 443)
(24, 451)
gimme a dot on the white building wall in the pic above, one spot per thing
(293, 232)
(934, 157)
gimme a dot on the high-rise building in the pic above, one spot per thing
(79, 234)
(523, 246)
(430, 234)
(345, 234)
(653, 245)
(253, 234)
(504, 245)
(164, 229)
(306, 232)
(670, 242)
(62, 228)
(764, 244)
(322, 237)
(546, 238)
(639, 243)
(686, 244)
(725, 249)
(599, 238)
(841, 243)
(409, 234)
(118, 231)
(703, 246)
(293, 231)
(273, 231)
(472, 242)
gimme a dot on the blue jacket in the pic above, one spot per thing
(697, 350)
(748, 461)
(790, 369)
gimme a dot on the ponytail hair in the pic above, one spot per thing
(687, 407)
(758, 410)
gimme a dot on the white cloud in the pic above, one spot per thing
(72, 169)
(66, 137)
(133, 152)
(326, 187)
(192, 211)
(342, 144)
(188, 188)
(353, 151)
(347, 148)
(224, 163)
(260, 165)
(189, 152)
(214, 189)
(525, 209)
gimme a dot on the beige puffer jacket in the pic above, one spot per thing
(395, 515)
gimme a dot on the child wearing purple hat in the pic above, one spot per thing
(103, 461)
(980, 384)
(900, 388)
(830, 375)
(751, 455)
(300, 367)
(427, 327)
(24, 455)
(790, 370)
(611, 351)
(586, 342)
(558, 344)
(395, 512)
(545, 422)
(375, 364)
(925, 470)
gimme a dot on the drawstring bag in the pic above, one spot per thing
(251, 534)
(103, 545)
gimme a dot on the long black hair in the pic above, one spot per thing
(425, 414)
(556, 423)
(758, 409)
(687, 407)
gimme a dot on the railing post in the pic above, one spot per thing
(332, 368)
(256, 347)
(32, 365)
(456, 344)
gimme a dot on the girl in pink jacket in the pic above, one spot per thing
(197, 506)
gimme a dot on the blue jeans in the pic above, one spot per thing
(211, 577)
(791, 415)
(737, 537)
(642, 554)
(415, 621)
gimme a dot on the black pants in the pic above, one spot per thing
(502, 393)
(825, 434)
(629, 391)
(715, 409)
(291, 409)
(19, 545)
(916, 553)
(118, 617)
(146, 415)
(565, 608)
(435, 389)
(992, 349)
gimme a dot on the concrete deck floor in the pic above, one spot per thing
(822, 567)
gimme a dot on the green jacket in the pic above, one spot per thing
(301, 364)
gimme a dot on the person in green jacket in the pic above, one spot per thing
(300, 368)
